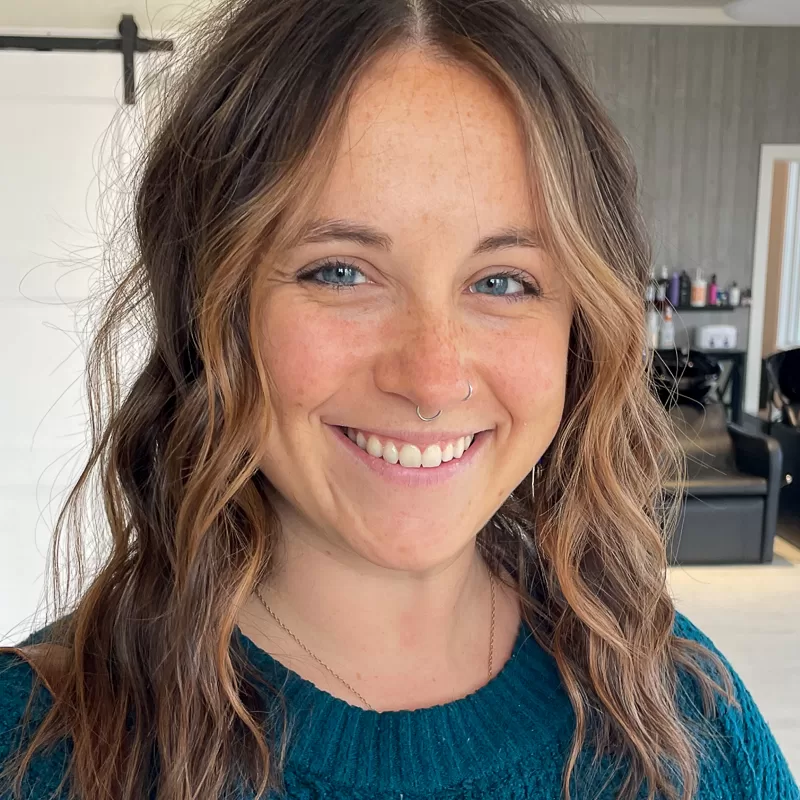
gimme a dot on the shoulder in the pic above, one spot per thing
(24, 703)
(20, 694)
(19, 682)
(739, 755)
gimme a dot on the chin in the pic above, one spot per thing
(412, 550)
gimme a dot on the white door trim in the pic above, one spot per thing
(770, 153)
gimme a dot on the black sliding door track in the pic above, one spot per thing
(128, 43)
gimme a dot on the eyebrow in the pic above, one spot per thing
(322, 230)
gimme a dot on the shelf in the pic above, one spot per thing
(704, 308)
(721, 353)
(707, 308)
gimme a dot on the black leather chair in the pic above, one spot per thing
(734, 477)
(783, 383)
(782, 371)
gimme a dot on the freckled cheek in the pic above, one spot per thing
(309, 355)
(531, 381)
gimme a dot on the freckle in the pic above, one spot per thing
(358, 675)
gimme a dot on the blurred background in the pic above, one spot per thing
(708, 96)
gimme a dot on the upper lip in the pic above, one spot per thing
(413, 437)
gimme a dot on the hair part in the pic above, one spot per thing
(154, 687)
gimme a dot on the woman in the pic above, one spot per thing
(392, 259)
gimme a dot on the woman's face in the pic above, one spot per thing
(400, 303)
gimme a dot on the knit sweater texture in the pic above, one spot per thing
(506, 741)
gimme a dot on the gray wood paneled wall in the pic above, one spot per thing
(696, 104)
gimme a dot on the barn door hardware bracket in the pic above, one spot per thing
(128, 43)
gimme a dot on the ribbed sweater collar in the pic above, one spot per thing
(508, 719)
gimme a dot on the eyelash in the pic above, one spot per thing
(531, 289)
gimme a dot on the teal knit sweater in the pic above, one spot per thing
(506, 741)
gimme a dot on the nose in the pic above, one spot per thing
(422, 359)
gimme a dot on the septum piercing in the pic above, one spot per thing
(430, 419)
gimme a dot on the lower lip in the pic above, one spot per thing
(414, 476)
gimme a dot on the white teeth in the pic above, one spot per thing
(390, 453)
(374, 447)
(409, 455)
(432, 456)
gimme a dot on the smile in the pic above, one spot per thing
(410, 455)
(431, 463)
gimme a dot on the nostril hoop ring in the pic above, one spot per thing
(429, 419)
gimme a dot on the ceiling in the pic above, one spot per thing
(98, 14)
(655, 3)
(155, 16)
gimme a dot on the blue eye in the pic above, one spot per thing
(499, 282)
(340, 275)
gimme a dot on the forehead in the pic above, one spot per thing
(429, 141)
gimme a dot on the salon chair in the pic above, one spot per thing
(734, 477)
(730, 503)
(782, 371)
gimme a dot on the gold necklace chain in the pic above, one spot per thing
(339, 677)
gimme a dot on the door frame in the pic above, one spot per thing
(770, 153)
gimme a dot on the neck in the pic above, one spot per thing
(396, 637)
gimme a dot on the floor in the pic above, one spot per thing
(752, 614)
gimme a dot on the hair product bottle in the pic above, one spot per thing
(712, 291)
(685, 290)
(650, 289)
(666, 333)
(734, 294)
(661, 288)
(674, 293)
(653, 326)
(698, 290)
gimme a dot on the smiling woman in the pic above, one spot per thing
(420, 270)
(385, 503)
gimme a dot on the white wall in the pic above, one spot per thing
(56, 109)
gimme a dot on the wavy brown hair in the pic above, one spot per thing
(155, 695)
